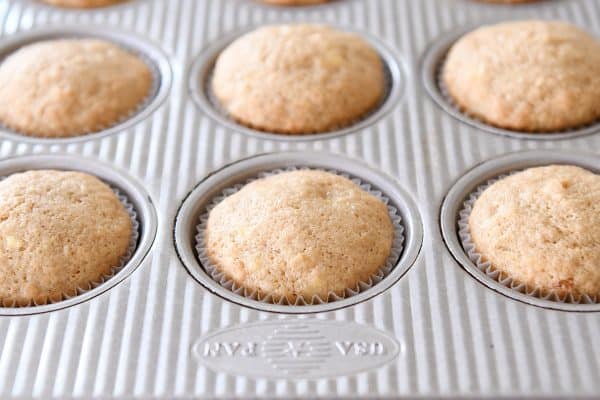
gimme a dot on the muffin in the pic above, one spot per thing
(532, 76)
(294, 2)
(59, 231)
(64, 88)
(541, 227)
(83, 3)
(298, 79)
(301, 233)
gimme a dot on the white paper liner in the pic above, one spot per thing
(135, 232)
(224, 281)
(450, 101)
(502, 277)
(145, 102)
(218, 107)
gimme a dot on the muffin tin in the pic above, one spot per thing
(434, 327)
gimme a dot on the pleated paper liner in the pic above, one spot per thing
(135, 233)
(500, 276)
(226, 282)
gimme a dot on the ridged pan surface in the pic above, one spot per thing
(437, 332)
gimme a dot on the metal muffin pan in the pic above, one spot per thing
(435, 332)
(195, 204)
(482, 173)
(135, 193)
(150, 53)
(433, 63)
(200, 77)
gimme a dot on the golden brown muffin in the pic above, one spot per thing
(298, 79)
(63, 88)
(533, 76)
(542, 227)
(59, 231)
(301, 233)
(83, 3)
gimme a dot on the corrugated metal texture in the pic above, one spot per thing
(459, 337)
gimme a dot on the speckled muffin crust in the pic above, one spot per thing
(83, 3)
(298, 79)
(542, 227)
(300, 233)
(64, 88)
(59, 231)
(533, 76)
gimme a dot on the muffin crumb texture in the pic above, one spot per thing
(299, 233)
(59, 231)
(70, 87)
(542, 228)
(530, 76)
(298, 79)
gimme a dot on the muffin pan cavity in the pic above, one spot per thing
(201, 72)
(131, 193)
(431, 74)
(203, 195)
(151, 54)
(456, 207)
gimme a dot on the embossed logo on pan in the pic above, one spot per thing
(297, 349)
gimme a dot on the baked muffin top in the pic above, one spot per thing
(83, 3)
(70, 87)
(298, 79)
(533, 76)
(542, 227)
(301, 233)
(59, 231)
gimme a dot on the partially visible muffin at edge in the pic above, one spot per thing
(532, 76)
(70, 87)
(541, 227)
(298, 79)
(83, 3)
(59, 231)
(301, 233)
